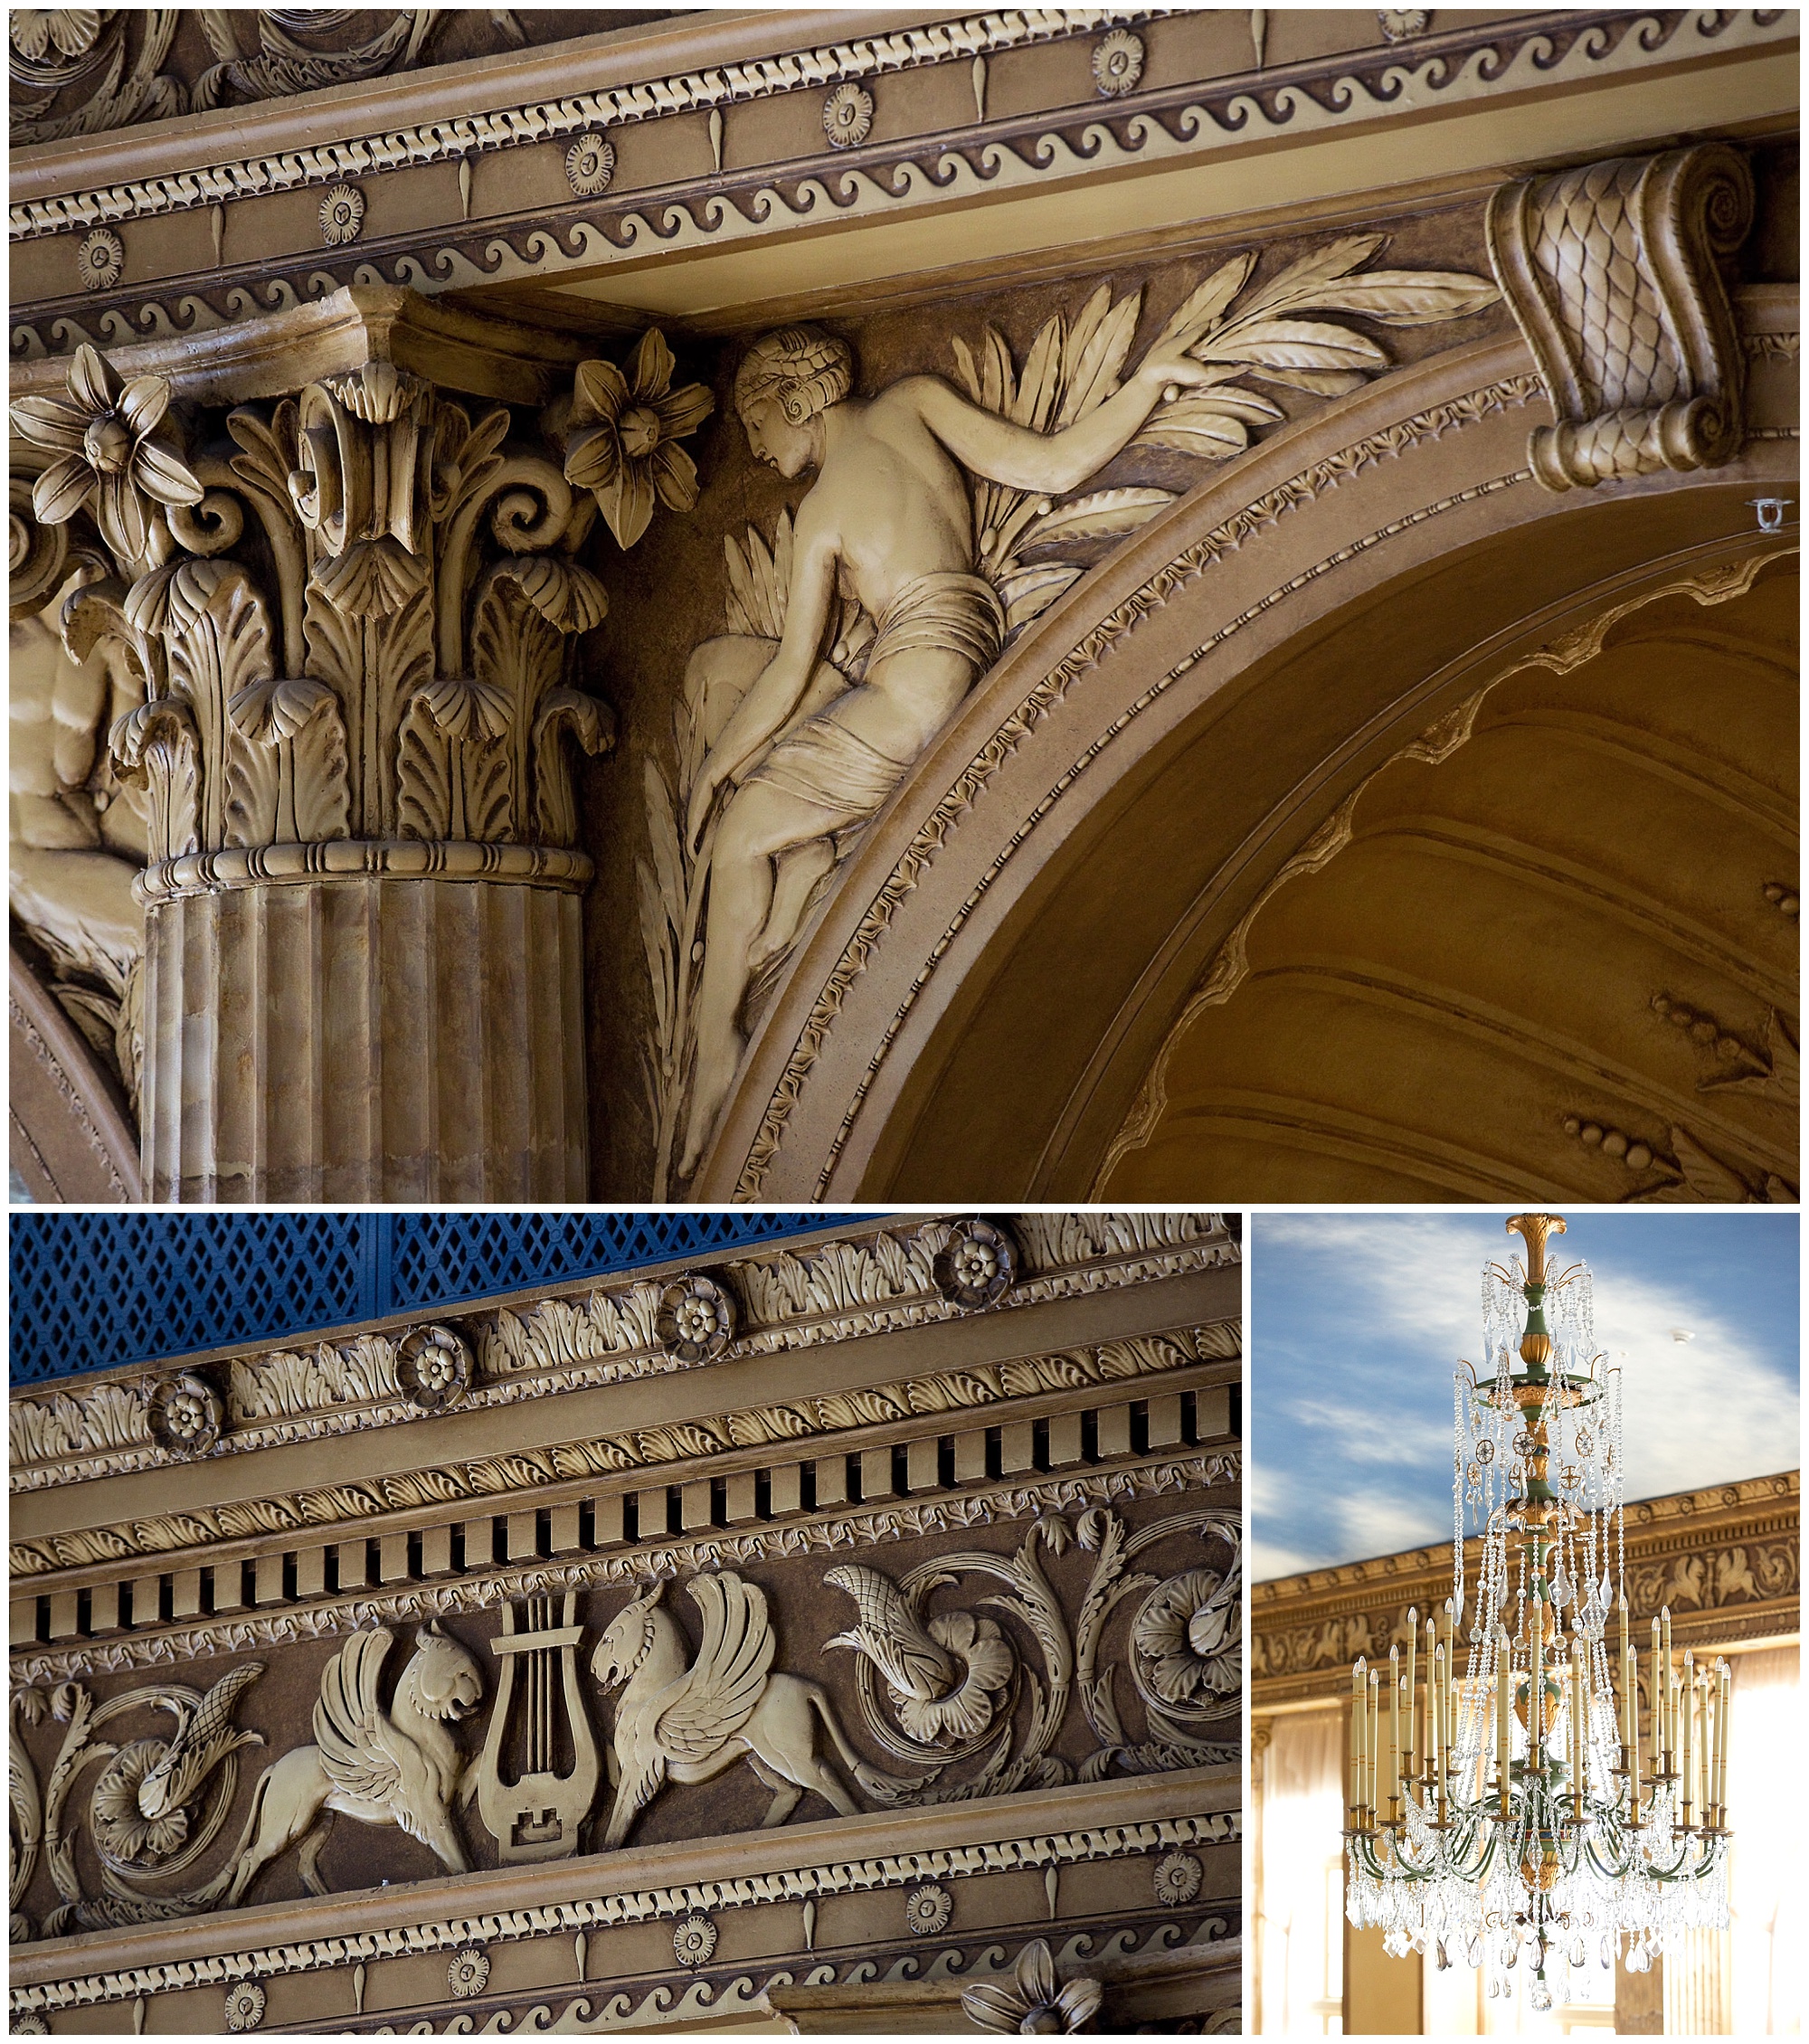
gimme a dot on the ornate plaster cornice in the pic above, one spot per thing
(499, 1478)
(1168, 131)
(834, 1876)
(990, 1505)
(543, 120)
(1725, 1560)
(584, 1336)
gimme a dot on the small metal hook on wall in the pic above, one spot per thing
(1771, 510)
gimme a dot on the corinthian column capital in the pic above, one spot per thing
(333, 559)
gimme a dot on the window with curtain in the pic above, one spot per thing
(1299, 1923)
(1765, 1806)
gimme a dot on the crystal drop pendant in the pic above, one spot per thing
(1560, 1588)
(1474, 1955)
(1541, 1997)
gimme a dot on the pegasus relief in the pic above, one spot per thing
(690, 1721)
(398, 1766)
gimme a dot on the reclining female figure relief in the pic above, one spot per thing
(805, 752)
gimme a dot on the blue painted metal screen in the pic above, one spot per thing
(94, 1291)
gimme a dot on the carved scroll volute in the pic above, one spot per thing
(1612, 272)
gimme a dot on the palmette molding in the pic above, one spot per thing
(1611, 271)
(848, 1877)
(333, 1617)
(830, 1292)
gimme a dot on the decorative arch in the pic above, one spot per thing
(982, 1004)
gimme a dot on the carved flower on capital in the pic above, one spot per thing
(1032, 2005)
(695, 1320)
(342, 215)
(694, 1939)
(99, 260)
(184, 1415)
(468, 1972)
(1189, 1638)
(1399, 24)
(71, 32)
(244, 2005)
(433, 1368)
(107, 453)
(927, 1909)
(1118, 62)
(976, 1267)
(848, 116)
(622, 436)
(590, 164)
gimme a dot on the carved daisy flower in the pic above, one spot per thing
(1187, 1633)
(848, 116)
(927, 1909)
(1178, 1878)
(342, 215)
(1398, 24)
(468, 1972)
(1118, 62)
(120, 1826)
(590, 164)
(694, 1940)
(244, 2005)
(623, 431)
(984, 1657)
(99, 259)
(1032, 2005)
(107, 453)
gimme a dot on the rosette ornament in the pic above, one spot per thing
(184, 1415)
(1188, 1639)
(976, 1267)
(107, 454)
(696, 1321)
(433, 1368)
(945, 1676)
(623, 432)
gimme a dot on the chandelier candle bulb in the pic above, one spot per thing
(1357, 1745)
(1721, 1747)
(1553, 1842)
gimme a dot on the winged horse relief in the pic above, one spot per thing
(689, 1724)
(398, 1766)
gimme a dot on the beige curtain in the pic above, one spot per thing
(1299, 1920)
(1765, 1809)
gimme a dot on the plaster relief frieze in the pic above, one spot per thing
(1725, 1561)
(942, 520)
(790, 1299)
(1050, 691)
(802, 1420)
(684, 1716)
(331, 1617)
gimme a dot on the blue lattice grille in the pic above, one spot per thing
(96, 1291)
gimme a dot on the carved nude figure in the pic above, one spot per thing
(690, 1723)
(800, 754)
(398, 1766)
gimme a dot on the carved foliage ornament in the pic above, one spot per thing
(1611, 273)
(394, 658)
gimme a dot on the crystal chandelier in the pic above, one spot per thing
(1511, 1809)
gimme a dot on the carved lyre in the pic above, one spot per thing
(535, 1811)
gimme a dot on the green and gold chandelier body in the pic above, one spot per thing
(1521, 1808)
